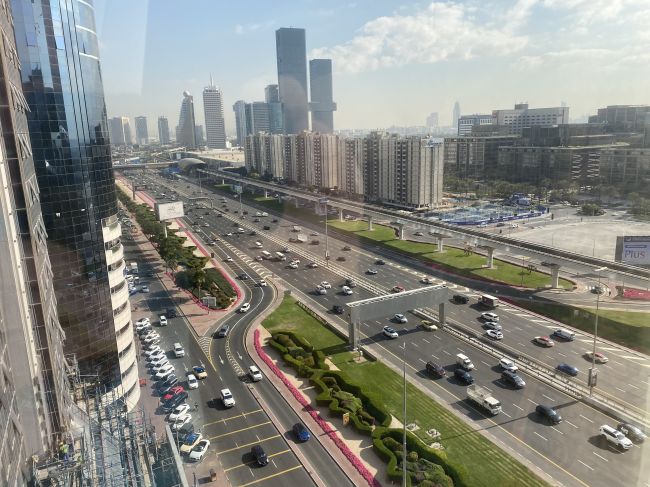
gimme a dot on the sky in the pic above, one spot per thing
(394, 63)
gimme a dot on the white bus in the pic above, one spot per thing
(266, 255)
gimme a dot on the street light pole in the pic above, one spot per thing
(404, 419)
(593, 351)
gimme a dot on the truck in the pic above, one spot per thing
(190, 442)
(488, 301)
(134, 267)
(296, 228)
(484, 398)
(301, 238)
(464, 362)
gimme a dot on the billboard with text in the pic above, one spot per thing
(633, 250)
(168, 211)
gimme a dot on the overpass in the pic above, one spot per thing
(143, 165)
(551, 257)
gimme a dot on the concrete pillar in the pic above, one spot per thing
(401, 232)
(297, 203)
(266, 193)
(223, 181)
(490, 257)
(555, 276)
(442, 317)
(353, 335)
(340, 214)
(441, 245)
(370, 224)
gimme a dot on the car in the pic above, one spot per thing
(634, 433)
(567, 369)
(162, 320)
(266, 227)
(321, 290)
(460, 299)
(371, 271)
(564, 334)
(181, 421)
(397, 289)
(302, 433)
(545, 341)
(379, 262)
(599, 357)
(245, 307)
(200, 372)
(616, 437)
(507, 364)
(492, 325)
(153, 351)
(275, 220)
(496, 334)
(463, 376)
(164, 372)
(151, 338)
(262, 283)
(549, 413)
(435, 370)
(338, 309)
(598, 290)
(179, 351)
(228, 259)
(350, 282)
(243, 277)
(258, 453)
(346, 290)
(173, 391)
(428, 325)
(254, 373)
(285, 249)
(199, 451)
(259, 258)
(192, 383)
(178, 411)
(293, 265)
(256, 220)
(313, 234)
(144, 289)
(229, 234)
(167, 385)
(513, 378)
(312, 265)
(226, 398)
(142, 322)
(390, 332)
(325, 284)
(427, 280)
(171, 313)
(340, 258)
(156, 365)
(489, 316)
(169, 406)
(223, 331)
(418, 234)
(347, 247)
(400, 318)
(155, 356)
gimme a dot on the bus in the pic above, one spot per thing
(280, 256)
(488, 301)
(266, 255)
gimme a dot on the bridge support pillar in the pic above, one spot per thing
(370, 229)
(223, 181)
(555, 276)
(266, 193)
(297, 203)
(441, 245)
(490, 257)
(340, 214)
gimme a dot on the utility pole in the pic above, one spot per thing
(592, 371)
(404, 419)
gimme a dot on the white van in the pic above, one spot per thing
(564, 334)
(464, 362)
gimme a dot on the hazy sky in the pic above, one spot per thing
(394, 63)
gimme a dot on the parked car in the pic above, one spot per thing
(259, 455)
(178, 411)
(301, 432)
(179, 399)
(181, 421)
(173, 391)
(171, 312)
(199, 451)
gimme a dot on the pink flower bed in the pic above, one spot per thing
(324, 425)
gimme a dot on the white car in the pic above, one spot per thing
(390, 332)
(199, 451)
(245, 307)
(164, 372)
(151, 338)
(321, 290)
(326, 285)
(192, 383)
(616, 437)
(181, 421)
(427, 280)
(312, 265)
(160, 359)
(262, 283)
(371, 271)
(507, 364)
(490, 316)
(293, 265)
(496, 334)
(259, 258)
(228, 258)
(492, 325)
(226, 398)
(254, 373)
(346, 290)
(163, 320)
(153, 351)
(178, 411)
(142, 322)
(229, 234)
(400, 318)
(144, 289)
(155, 368)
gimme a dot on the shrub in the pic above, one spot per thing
(412, 456)
(392, 444)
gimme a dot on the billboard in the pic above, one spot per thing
(236, 188)
(633, 250)
(167, 211)
(321, 206)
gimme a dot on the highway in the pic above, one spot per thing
(572, 451)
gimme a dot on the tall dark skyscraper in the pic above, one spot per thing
(292, 78)
(272, 98)
(322, 105)
(62, 82)
(186, 130)
(163, 130)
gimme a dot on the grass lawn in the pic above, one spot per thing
(453, 259)
(628, 328)
(488, 466)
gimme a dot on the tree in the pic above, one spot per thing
(171, 264)
(199, 279)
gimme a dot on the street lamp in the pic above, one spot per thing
(324, 201)
(592, 371)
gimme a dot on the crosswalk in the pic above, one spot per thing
(204, 343)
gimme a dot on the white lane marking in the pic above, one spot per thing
(437, 337)
(425, 340)
(522, 344)
(557, 430)
(530, 400)
(549, 398)
(521, 409)
(586, 465)
(539, 321)
(415, 345)
(460, 350)
(517, 328)
(617, 363)
(366, 324)
(485, 363)
(424, 362)
(503, 412)
(437, 358)
(631, 357)
(220, 360)
(622, 390)
(583, 417)
(600, 456)
(523, 315)
(569, 422)
(535, 432)
(561, 354)
(445, 351)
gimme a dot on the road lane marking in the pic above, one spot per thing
(583, 417)
(437, 358)
(271, 476)
(424, 362)
(569, 422)
(549, 398)
(561, 354)
(557, 430)
(415, 344)
(503, 412)
(243, 415)
(600, 456)
(445, 351)
(239, 430)
(485, 363)
(629, 357)
(249, 464)
(521, 409)
(622, 390)
(259, 440)
(425, 340)
(586, 465)
(535, 432)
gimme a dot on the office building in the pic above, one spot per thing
(34, 390)
(120, 131)
(522, 116)
(432, 121)
(474, 158)
(272, 98)
(322, 105)
(141, 131)
(257, 117)
(199, 135)
(626, 167)
(77, 190)
(186, 129)
(623, 118)
(163, 130)
(240, 121)
(455, 115)
(292, 78)
(466, 123)
(215, 128)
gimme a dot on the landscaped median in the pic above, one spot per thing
(369, 394)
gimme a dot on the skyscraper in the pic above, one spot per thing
(257, 117)
(141, 131)
(163, 130)
(456, 115)
(120, 131)
(432, 120)
(61, 80)
(34, 398)
(272, 98)
(186, 131)
(240, 121)
(292, 78)
(215, 129)
(322, 105)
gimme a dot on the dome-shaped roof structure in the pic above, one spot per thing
(188, 162)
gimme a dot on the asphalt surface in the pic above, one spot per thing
(572, 451)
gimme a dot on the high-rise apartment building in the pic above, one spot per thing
(322, 104)
(257, 117)
(240, 121)
(272, 98)
(522, 116)
(350, 169)
(141, 131)
(292, 78)
(163, 130)
(120, 131)
(455, 115)
(215, 128)
(186, 130)
(264, 154)
(432, 120)
(34, 390)
(325, 162)
(61, 80)
(467, 122)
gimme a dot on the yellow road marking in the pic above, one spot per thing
(239, 430)
(248, 464)
(272, 476)
(247, 444)
(223, 420)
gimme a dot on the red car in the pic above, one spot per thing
(397, 289)
(174, 391)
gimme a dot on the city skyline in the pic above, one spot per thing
(542, 71)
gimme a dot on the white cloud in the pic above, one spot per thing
(591, 11)
(247, 28)
(441, 31)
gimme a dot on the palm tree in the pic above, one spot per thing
(199, 281)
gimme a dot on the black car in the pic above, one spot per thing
(168, 381)
(266, 227)
(302, 433)
(170, 313)
(259, 455)
(253, 233)
(460, 299)
(338, 309)
(463, 376)
(275, 220)
(168, 384)
(379, 262)
(548, 413)
(435, 370)
(513, 379)
(243, 277)
(340, 258)
(347, 247)
(223, 331)
(350, 282)
(634, 433)
(169, 406)
(186, 430)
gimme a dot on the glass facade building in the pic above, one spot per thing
(292, 78)
(62, 83)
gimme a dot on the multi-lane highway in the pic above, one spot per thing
(572, 450)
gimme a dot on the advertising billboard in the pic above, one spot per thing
(168, 211)
(633, 250)
(321, 206)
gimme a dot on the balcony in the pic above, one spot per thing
(112, 231)
(115, 253)
(116, 275)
